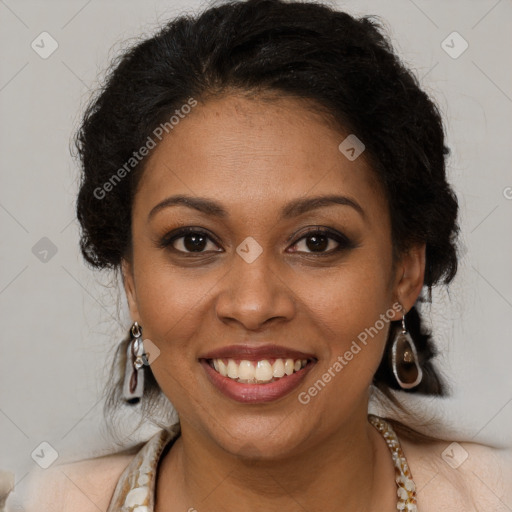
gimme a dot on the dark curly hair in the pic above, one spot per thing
(344, 65)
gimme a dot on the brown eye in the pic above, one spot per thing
(322, 241)
(317, 243)
(194, 242)
(188, 240)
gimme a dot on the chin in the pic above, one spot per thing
(263, 439)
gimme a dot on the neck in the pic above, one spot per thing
(351, 468)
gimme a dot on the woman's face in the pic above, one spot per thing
(254, 284)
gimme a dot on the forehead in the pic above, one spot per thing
(254, 154)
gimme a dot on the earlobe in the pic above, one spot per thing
(129, 288)
(410, 276)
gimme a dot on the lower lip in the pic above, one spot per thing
(255, 393)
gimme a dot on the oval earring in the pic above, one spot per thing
(133, 385)
(404, 359)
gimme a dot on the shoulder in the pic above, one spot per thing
(81, 486)
(460, 475)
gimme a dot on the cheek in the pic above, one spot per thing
(354, 324)
(352, 311)
(355, 321)
(353, 296)
(170, 302)
(171, 309)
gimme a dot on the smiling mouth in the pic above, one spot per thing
(262, 371)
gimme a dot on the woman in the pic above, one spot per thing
(270, 182)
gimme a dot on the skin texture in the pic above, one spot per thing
(254, 157)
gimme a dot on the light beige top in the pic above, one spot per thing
(135, 490)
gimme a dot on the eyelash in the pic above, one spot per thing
(344, 243)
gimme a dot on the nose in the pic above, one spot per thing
(254, 295)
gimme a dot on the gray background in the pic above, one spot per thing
(60, 321)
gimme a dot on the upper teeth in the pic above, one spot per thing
(258, 371)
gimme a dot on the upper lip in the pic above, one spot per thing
(257, 353)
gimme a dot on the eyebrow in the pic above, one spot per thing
(292, 209)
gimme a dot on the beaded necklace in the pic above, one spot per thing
(406, 489)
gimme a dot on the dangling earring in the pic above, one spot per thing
(404, 359)
(133, 386)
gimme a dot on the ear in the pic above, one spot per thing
(129, 288)
(409, 277)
